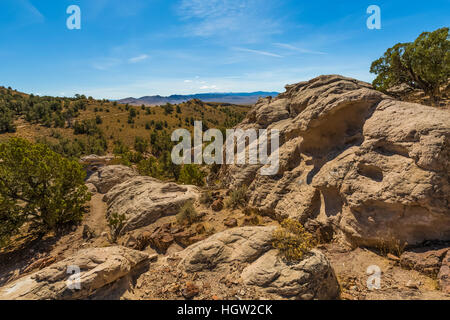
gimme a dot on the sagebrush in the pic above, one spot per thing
(238, 197)
(292, 240)
(116, 222)
(187, 214)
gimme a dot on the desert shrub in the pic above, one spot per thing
(168, 109)
(206, 198)
(160, 142)
(120, 147)
(6, 120)
(74, 148)
(149, 167)
(191, 174)
(252, 219)
(169, 169)
(187, 214)
(88, 127)
(391, 244)
(133, 157)
(132, 113)
(95, 145)
(238, 197)
(128, 158)
(292, 240)
(140, 144)
(159, 125)
(423, 64)
(116, 222)
(40, 187)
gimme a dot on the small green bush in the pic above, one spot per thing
(238, 197)
(292, 240)
(116, 222)
(191, 174)
(187, 214)
(206, 198)
(140, 144)
(149, 167)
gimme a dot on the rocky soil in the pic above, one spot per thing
(368, 175)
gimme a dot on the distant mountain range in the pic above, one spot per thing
(242, 98)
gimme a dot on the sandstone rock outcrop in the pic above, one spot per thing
(99, 267)
(312, 278)
(375, 169)
(235, 245)
(249, 251)
(109, 176)
(425, 260)
(144, 200)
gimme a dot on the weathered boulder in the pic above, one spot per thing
(234, 245)
(109, 176)
(312, 278)
(249, 249)
(144, 200)
(374, 169)
(99, 267)
(424, 260)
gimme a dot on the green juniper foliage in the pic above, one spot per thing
(40, 187)
(423, 64)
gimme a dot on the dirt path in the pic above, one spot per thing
(96, 219)
(39, 254)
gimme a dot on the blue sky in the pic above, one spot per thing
(146, 47)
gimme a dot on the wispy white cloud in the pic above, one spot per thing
(199, 84)
(33, 10)
(245, 20)
(263, 53)
(106, 63)
(297, 49)
(23, 14)
(139, 58)
(208, 87)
